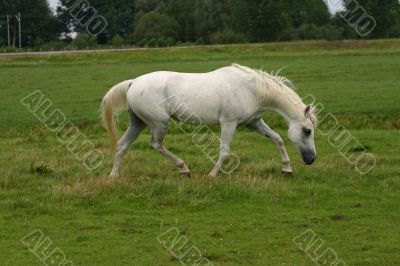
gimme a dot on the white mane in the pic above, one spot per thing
(272, 86)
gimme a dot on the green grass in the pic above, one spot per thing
(249, 217)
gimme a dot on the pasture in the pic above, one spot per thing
(248, 217)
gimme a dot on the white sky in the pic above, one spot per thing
(53, 3)
(334, 5)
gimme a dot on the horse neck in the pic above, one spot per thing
(291, 108)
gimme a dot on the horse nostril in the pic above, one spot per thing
(309, 158)
(310, 161)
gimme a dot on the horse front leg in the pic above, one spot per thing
(262, 128)
(227, 132)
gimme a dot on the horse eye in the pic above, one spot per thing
(307, 132)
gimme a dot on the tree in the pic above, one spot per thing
(302, 12)
(184, 14)
(119, 14)
(227, 36)
(117, 40)
(385, 13)
(211, 16)
(84, 40)
(260, 20)
(39, 25)
(204, 21)
(157, 26)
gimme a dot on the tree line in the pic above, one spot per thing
(168, 22)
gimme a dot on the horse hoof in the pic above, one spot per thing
(113, 176)
(287, 174)
(186, 174)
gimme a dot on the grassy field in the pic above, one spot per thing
(248, 217)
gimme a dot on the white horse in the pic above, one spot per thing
(230, 97)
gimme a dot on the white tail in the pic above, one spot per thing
(114, 101)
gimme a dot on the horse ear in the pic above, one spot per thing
(310, 113)
(308, 110)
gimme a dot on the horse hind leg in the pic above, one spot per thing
(135, 128)
(158, 135)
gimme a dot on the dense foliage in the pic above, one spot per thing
(166, 22)
(39, 25)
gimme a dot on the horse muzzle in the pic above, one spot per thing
(308, 157)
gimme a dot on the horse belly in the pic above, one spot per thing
(194, 110)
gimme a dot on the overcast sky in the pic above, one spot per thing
(53, 3)
(333, 4)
